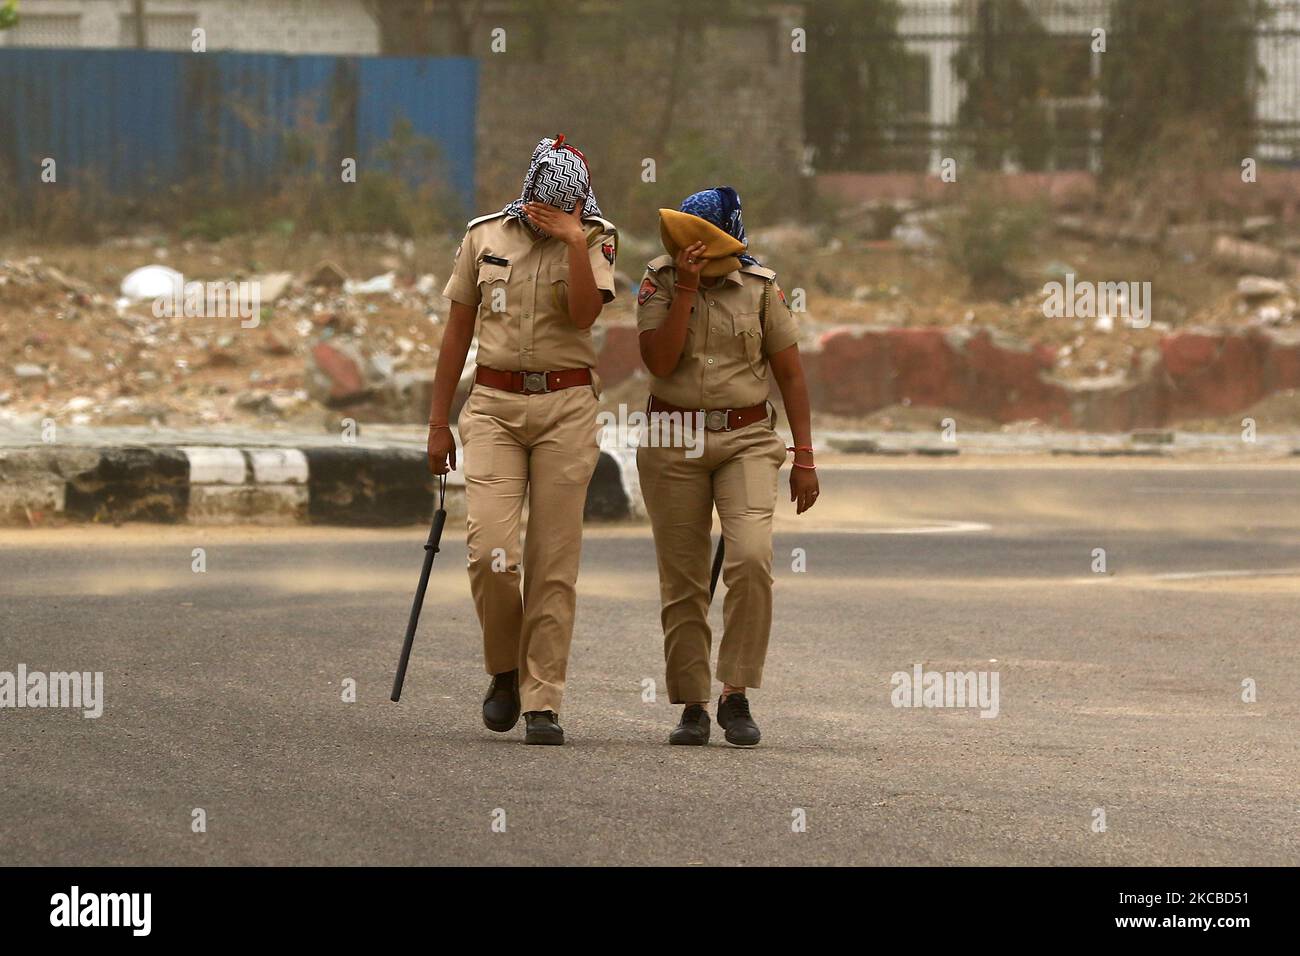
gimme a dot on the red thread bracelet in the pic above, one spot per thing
(798, 448)
(809, 467)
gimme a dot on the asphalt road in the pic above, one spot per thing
(1119, 690)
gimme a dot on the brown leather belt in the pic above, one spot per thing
(531, 383)
(717, 419)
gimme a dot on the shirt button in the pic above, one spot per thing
(710, 361)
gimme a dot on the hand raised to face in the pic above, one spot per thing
(566, 226)
(689, 262)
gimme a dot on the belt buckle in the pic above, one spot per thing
(718, 420)
(535, 382)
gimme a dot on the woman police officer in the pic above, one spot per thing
(714, 329)
(534, 278)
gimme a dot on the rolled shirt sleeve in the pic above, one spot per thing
(653, 300)
(602, 251)
(463, 284)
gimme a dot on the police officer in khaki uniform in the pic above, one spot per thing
(715, 331)
(533, 277)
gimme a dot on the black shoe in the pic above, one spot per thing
(733, 717)
(693, 729)
(542, 727)
(501, 705)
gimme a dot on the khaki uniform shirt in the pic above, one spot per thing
(520, 284)
(724, 361)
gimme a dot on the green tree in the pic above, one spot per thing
(854, 83)
(8, 14)
(1005, 67)
(1186, 64)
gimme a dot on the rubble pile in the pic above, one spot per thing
(133, 352)
(883, 263)
(120, 334)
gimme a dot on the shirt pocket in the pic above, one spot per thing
(557, 276)
(493, 290)
(747, 338)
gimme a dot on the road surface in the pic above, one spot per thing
(1119, 692)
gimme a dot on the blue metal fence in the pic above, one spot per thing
(138, 120)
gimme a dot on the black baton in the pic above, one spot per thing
(430, 549)
(717, 566)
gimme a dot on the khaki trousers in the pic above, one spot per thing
(543, 448)
(737, 473)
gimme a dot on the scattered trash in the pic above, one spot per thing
(151, 282)
(1261, 287)
(271, 404)
(271, 286)
(374, 286)
(1256, 227)
(1239, 255)
(911, 235)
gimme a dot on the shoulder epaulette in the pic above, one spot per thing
(757, 270)
(481, 219)
(606, 225)
(605, 228)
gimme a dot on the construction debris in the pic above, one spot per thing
(96, 352)
(1239, 255)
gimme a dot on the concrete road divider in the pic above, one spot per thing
(314, 483)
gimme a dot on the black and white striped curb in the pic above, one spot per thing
(213, 484)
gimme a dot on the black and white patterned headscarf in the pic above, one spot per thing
(557, 176)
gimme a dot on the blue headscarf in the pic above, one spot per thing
(720, 206)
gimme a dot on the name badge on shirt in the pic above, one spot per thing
(496, 260)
